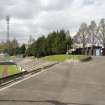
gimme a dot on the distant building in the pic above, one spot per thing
(95, 50)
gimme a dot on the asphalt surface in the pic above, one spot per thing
(62, 84)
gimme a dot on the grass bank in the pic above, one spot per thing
(61, 58)
(7, 70)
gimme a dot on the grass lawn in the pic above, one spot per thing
(10, 58)
(7, 58)
(6, 70)
(61, 58)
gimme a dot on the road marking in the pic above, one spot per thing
(13, 84)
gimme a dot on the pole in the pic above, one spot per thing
(8, 40)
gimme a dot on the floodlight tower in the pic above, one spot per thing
(8, 34)
(8, 22)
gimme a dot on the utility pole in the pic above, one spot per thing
(8, 34)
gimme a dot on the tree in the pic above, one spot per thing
(12, 47)
(102, 31)
(31, 45)
(2, 47)
(40, 47)
(54, 43)
(22, 49)
(59, 42)
(82, 36)
(51, 43)
(92, 34)
(92, 31)
(31, 40)
(69, 40)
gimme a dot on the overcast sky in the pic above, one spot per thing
(37, 17)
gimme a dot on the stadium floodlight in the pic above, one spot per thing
(8, 21)
(8, 34)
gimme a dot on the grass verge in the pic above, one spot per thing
(61, 58)
(7, 70)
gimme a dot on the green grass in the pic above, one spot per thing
(61, 58)
(11, 69)
(7, 58)
(10, 58)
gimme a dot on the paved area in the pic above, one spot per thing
(30, 64)
(63, 84)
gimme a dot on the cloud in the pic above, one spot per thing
(55, 5)
(88, 2)
(38, 17)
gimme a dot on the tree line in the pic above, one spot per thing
(12, 47)
(92, 34)
(56, 42)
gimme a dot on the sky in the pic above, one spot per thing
(39, 17)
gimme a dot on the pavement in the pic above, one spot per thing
(67, 83)
(29, 64)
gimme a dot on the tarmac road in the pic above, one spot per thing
(62, 84)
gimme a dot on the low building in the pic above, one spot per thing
(96, 50)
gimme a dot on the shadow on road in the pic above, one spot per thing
(46, 101)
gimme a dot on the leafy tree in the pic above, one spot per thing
(41, 47)
(2, 47)
(54, 43)
(50, 43)
(13, 45)
(22, 49)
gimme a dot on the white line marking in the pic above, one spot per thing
(23, 79)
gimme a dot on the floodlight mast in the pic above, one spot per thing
(8, 33)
